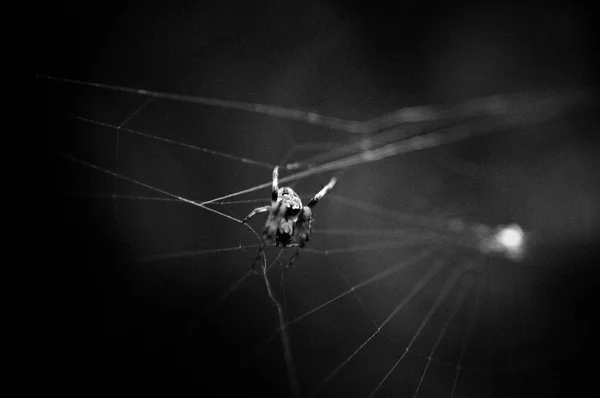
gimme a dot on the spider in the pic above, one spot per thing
(288, 223)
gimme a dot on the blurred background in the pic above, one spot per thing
(154, 294)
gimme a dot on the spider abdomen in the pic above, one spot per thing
(285, 233)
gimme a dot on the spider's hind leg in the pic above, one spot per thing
(294, 257)
(258, 259)
(303, 228)
(256, 211)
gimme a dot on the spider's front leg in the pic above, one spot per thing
(274, 197)
(275, 185)
(315, 199)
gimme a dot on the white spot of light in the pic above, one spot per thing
(511, 239)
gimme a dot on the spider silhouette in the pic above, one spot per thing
(288, 223)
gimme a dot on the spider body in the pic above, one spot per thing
(286, 215)
(288, 223)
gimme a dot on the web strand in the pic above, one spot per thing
(438, 265)
(506, 113)
(192, 253)
(355, 295)
(414, 260)
(449, 285)
(485, 106)
(338, 150)
(404, 235)
(458, 304)
(161, 199)
(225, 295)
(131, 180)
(118, 140)
(173, 142)
(275, 111)
(285, 339)
(419, 257)
(408, 115)
(465, 343)
(429, 140)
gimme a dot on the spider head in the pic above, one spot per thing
(288, 197)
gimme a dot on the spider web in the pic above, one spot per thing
(448, 261)
(400, 292)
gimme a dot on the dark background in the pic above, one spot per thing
(112, 324)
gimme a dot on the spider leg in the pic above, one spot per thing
(303, 226)
(294, 257)
(257, 259)
(275, 186)
(322, 193)
(256, 211)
